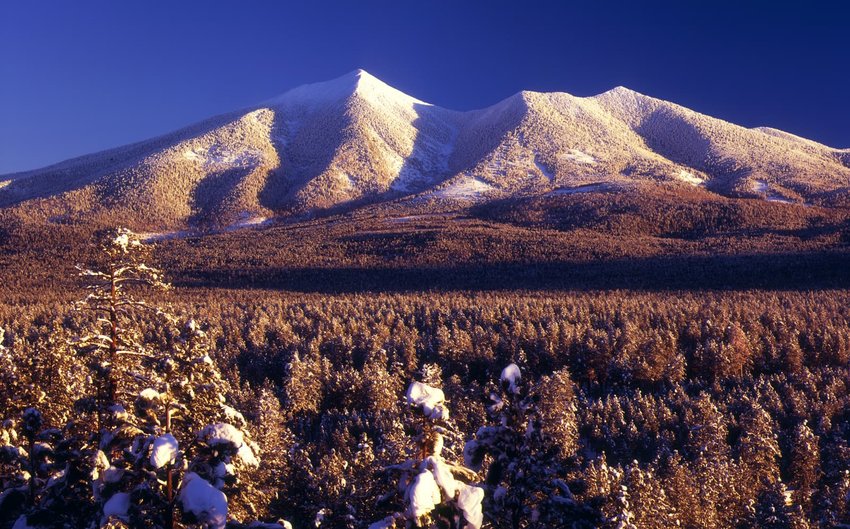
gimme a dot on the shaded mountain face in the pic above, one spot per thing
(355, 140)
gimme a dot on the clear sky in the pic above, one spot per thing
(82, 76)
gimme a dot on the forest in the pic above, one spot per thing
(128, 402)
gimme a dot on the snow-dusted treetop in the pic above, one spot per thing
(431, 400)
(165, 450)
(227, 434)
(206, 503)
(510, 377)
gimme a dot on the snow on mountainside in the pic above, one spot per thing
(732, 155)
(355, 140)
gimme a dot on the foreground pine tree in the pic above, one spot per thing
(435, 493)
(164, 448)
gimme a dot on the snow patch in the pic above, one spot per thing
(357, 82)
(224, 434)
(587, 188)
(469, 502)
(443, 475)
(283, 524)
(346, 180)
(689, 177)
(205, 502)
(125, 239)
(149, 394)
(407, 176)
(511, 376)
(117, 506)
(579, 157)
(218, 157)
(422, 496)
(113, 475)
(157, 236)
(762, 187)
(411, 218)
(245, 220)
(469, 188)
(545, 170)
(248, 220)
(165, 450)
(431, 400)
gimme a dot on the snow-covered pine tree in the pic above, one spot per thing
(112, 345)
(524, 466)
(165, 435)
(605, 483)
(193, 443)
(24, 460)
(45, 479)
(623, 517)
(40, 382)
(647, 495)
(337, 491)
(758, 448)
(276, 439)
(121, 364)
(434, 491)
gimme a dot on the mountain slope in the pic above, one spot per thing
(740, 161)
(355, 140)
(372, 140)
(314, 147)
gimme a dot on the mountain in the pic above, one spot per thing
(355, 141)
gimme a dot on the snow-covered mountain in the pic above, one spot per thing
(355, 140)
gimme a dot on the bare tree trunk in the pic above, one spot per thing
(113, 337)
(169, 481)
(32, 470)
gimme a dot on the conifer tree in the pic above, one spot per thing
(623, 517)
(649, 501)
(523, 466)
(758, 449)
(804, 466)
(435, 491)
(165, 438)
(776, 509)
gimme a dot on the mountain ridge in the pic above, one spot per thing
(356, 140)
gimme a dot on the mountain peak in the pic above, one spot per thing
(621, 92)
(357, 82)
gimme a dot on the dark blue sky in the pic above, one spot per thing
(77, 77)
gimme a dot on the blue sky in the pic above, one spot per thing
(77, 77)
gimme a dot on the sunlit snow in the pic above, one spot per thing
(579, 157)
(205, 502)
(165, 449)
(467, 187)
(587, 188)
(762, 187)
